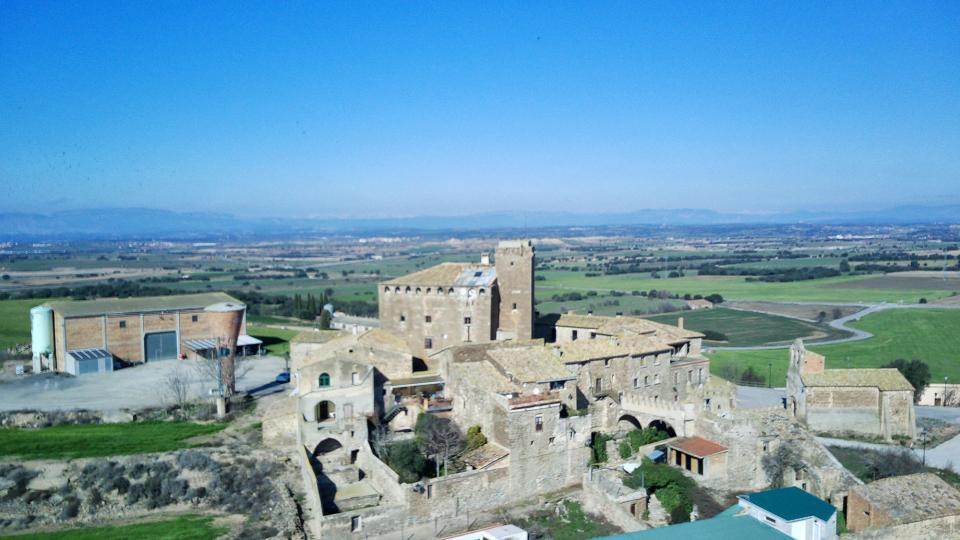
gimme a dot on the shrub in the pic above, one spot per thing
(475, 438)
(713, 335)
(599, 446)
(405, 459)
(624, 449)
(71, 508)
(195, 461)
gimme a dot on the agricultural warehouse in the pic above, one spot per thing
(80, 337)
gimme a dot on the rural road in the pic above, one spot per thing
(841, 324)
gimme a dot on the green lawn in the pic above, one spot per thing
(79, 441)
(275, 340)
(15, 321)
(836, 289)
(746, 328)
(189, 527)
(931, 335)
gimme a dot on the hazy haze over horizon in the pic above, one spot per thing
(372, 109)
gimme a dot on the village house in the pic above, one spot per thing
(914, 506)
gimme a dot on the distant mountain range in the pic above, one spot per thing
(140, 223)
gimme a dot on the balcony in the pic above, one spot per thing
(438, 404)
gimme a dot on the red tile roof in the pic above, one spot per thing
(697, 446)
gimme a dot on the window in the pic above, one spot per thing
(606, 362)
(427, 343)
(552, 439)
(676, 377)
(123, 324)
(428, 319)
(403, 318)
(556, 385)
(514, 305)
(593, 335)
(429, 491)
(194, 318)
(538, 422)
(355, 523)
(646, 380)
(466, 320)
(700, 375)
(690, 376)
(636, 383)
(656, 379)
(324, 380)
(354, 378)
(477, 274)
(770, 519)
(573, 335)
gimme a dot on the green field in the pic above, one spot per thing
(275, 340)
(836, 289)
(189, 527)
(15, 321)
(79, 441)
(930, 335)
(747, 328)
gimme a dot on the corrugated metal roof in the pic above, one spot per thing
(205, 344)
(791, 504)
(89, 354)
(144, 304)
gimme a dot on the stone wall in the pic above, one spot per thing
(515, 263)
(862, 515)
(933, 529)
(405, 313)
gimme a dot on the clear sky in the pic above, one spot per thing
(408, 108)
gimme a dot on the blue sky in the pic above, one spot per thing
(411, 108)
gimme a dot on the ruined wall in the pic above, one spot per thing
(899, 417)
(861, 514)
(405, 312)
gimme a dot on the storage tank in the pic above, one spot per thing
(226, 319)
(41, 333)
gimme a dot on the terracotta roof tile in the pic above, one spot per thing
(697, 446)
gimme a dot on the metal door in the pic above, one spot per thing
(161, 346)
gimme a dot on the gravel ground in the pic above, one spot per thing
(131, 388)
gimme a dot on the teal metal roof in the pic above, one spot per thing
(727, 525)
(791, 504)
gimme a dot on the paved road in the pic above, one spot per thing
(841, 324)
(130, 388)
(945, 456)
(749, 397)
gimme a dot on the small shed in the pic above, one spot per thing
(700, 456)
(85, 361)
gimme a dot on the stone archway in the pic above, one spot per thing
(663, 426)
(628, 422)
(325, 410)
(327, 446)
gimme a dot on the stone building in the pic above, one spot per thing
(699, 456)
(876, 402)
(88, 335)
(454, 303)
(916, 502)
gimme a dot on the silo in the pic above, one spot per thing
(226, 318)
(41, 333)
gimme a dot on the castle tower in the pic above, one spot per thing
(514, 263)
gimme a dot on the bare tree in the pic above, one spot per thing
(379, 439)
(440, 440)
(778, 462)
(176, 386)
(209, 370)
(951, 397)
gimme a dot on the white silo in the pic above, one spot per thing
(41, 332)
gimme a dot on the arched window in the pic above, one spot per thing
(483, 292)
(396, 290)
(450, 290)
(386, 289)
(428, 290)
(418, 290)
(407, 290)
(324, 380)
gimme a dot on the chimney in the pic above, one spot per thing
(484, 258)
(680, 323)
